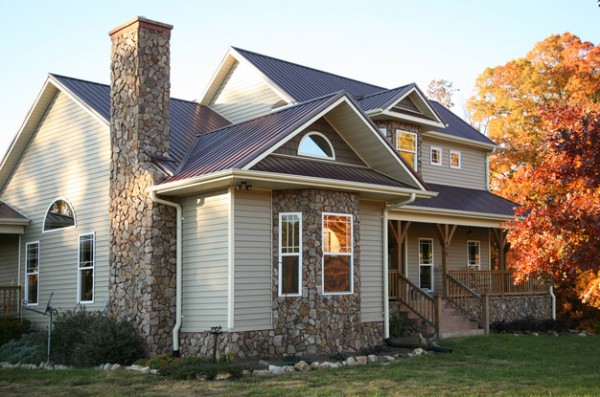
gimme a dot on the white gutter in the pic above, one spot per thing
(19, 266)
(178, 268)
(553, 297)
(386, 287)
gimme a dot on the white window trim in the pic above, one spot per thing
(409, 151)
(307, 136)
(427, 264)
(459, 159)
(27, 273)
(439, 149)
(93, 267)
(351, 255)
(62, 228)
(476, 266)
(281, 255)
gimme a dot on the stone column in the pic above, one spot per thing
(142, 233)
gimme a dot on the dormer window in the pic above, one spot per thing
(60, 215)
(315, 144)
(406, 143)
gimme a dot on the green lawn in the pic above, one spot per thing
(496, 365)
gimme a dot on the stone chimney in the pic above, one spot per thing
(142, 233)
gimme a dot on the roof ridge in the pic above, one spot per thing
(387, 90)
(310, 68)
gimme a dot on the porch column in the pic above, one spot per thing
(503, 246)
(445, 234)
(398, 233)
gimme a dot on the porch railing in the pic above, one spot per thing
(418, 301)
(468, 301)
(498, 283)
(10, 301)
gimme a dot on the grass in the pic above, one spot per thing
(496, 365)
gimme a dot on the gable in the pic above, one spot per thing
(408, 106)
(242, 93)
(343, 152)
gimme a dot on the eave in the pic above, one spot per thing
(454, 139)
(379, 114)
(452, 217)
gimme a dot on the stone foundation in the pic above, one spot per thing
(510, 308)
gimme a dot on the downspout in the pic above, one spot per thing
(386, 287)
(553, 298)
(178, 267)
(19, 267)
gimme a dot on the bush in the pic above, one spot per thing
(528, 324)
(196, 368)
(157, 362)
(84, 338)
(401, 325)
(12, 328)
(29, 349)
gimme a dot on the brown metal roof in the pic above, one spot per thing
(470, 200)
(7, 212)
(326, 170)
(236, 145)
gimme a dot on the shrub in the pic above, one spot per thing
(12, 328)
(196, 367)
(31, 348)
(528, 324)
(84, 338)
(157, 362)
(401, 325)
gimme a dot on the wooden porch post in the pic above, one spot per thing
(445, 234)
(503, 247)
(399, 233)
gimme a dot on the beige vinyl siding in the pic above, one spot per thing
(9, 258)
(205, 261)
(252, 265)
(470, 175)
(67, 157)
(243, 95)
(371, 261)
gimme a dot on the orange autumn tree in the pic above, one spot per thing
(559, 237)
(509, 99)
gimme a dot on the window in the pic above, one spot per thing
(337, 254)
(290, 254)
(426, 264)
(85, 269)
(473, 255)
(436, 155)
(454, 159)
(60, 215)
(32, 271)
(406, 143)
(315, 144)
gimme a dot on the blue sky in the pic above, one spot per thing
(389, 43)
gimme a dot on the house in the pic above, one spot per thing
(294, 208)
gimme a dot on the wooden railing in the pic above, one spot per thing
(498, 283)
(10, 301)
(468, 301)
(418, 301)
(393, 283)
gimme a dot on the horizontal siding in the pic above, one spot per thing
(243, 95)
(68, 157)
(371, 261)
(205, 261)
(470, 175)
(9, 259)
(253, 267)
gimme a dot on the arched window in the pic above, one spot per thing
(59, 216)
(315, 144)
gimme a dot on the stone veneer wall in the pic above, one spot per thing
(509, 308)
(392, 125)
(313, 323)
(142, 233)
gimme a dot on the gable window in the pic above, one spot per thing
(455, 160)
(32, 271)
(315, 144)
(426, 264)
(85, 268)
(290, 254)
(473, 255)
(406, 144)
(337, 254)
(436, 155)
(60, 215)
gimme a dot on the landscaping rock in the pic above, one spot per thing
(275, 370)
(371, 358)
(418, 351)
(315, 365)
(246, 373)
(388, 359)
(28, 366)
(361, 360)
(288, 369)
(329, 365)
(582, 334)
(261, 373)
(302, 366)
(115, 367)
(223, 376)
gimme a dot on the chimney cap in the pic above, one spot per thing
(140, 22)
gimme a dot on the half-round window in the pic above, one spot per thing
(59, 216)
(317, 145)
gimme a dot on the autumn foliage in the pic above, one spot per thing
(560, 234)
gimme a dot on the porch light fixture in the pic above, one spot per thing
(244, 186)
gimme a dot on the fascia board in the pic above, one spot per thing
(465, 141)
(77, 100)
